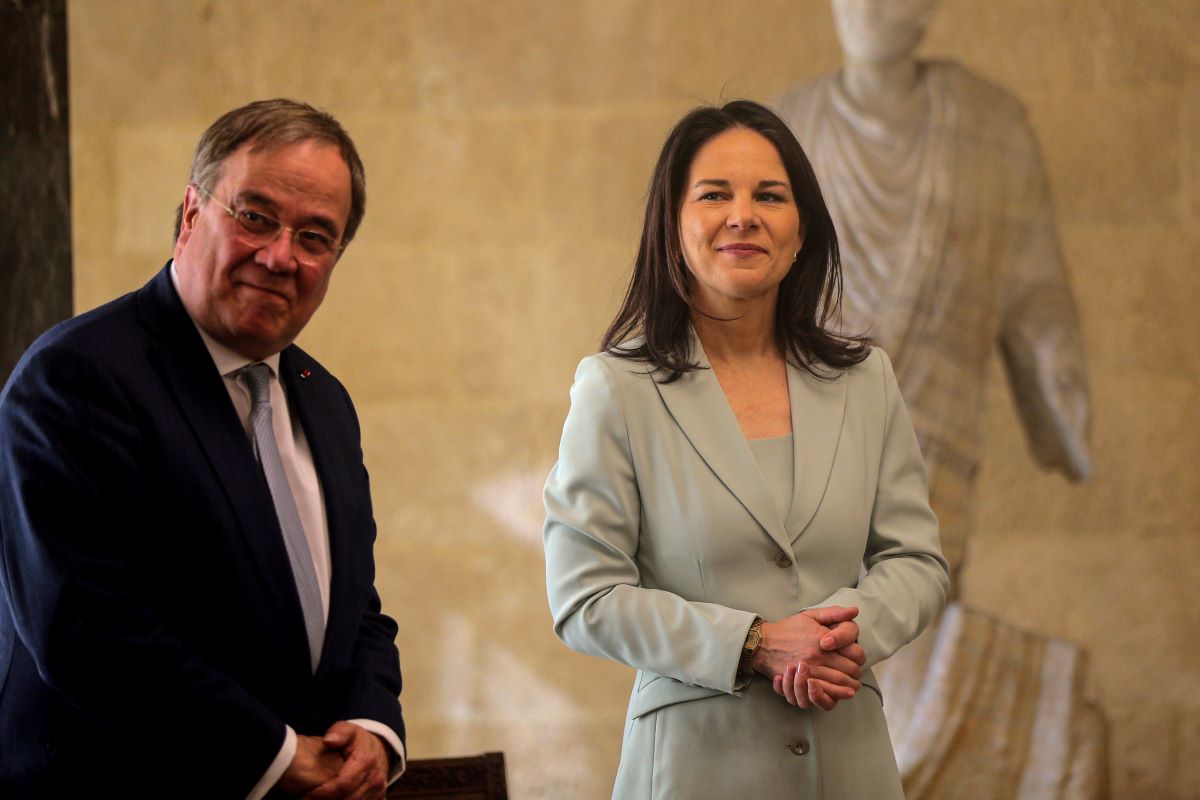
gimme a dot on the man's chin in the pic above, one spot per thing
(256, 340)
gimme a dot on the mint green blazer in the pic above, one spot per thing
(663, 544)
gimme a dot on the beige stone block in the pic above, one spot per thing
(93, 213)
(432, 451)
(709, 51)
(464, 179)
(1144, 444)
(1137, 290)
(1023, 45)
(1112, 156)
(116, 246)
(520, 316)
(1140, 745)
(1135, 44)
(576, 300)
(151, 165)
(154, 58)
(1125, 598)
(1032, 45)
(497, 349)
(1188, 757)
(383, 328)
(597, 170)
(468, 564)
(481, 55)
(124, 64)
(1190, 145)
(359, 56)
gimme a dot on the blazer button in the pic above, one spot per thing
(798, 746)
(782, 560)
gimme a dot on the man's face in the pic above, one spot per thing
(255, 299)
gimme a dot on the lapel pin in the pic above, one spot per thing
(304, 373)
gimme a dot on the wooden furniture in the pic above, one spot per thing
(469, 778)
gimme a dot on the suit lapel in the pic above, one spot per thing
(817, 411)
(198, 389)
(699, 406)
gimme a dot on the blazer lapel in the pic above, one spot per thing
(817, 411)
(198, 389)
(699, 406)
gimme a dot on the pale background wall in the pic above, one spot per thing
(508, 146)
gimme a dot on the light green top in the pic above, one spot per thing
(774, 457)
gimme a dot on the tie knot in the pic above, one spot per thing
(258, 381)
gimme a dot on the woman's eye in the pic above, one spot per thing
(770, 197)
(711, 196)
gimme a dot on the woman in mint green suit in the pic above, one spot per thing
(739, 508)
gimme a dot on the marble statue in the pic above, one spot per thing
(949, 250)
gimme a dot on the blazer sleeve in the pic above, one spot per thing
(591, 537)
(907, 579)
(72, 506)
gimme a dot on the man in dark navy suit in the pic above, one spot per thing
(187, 602)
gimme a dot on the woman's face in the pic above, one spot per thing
(738, 221)
(881, 31)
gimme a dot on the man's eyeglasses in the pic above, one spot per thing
(259, 230)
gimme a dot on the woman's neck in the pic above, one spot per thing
(747, 333)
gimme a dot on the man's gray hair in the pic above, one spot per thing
(266, 125)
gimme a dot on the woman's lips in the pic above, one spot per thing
(742, 249)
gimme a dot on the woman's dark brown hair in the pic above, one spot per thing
(658, 302)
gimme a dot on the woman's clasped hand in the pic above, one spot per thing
(813, 658)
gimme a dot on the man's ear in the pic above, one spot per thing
(187, 219)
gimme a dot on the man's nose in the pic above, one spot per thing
(278, 255)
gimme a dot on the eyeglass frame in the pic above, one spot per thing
(336, 247)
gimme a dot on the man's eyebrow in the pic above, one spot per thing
(258, 198)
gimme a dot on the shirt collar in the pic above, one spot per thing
(226, 359)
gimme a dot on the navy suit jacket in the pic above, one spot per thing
(151, 637)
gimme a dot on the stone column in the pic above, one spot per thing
(35, 206)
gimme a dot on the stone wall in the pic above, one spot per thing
(508, 147)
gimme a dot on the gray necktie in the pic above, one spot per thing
(258, 379)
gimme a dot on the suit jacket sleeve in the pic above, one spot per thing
(591, 537)
(375, 687)
(73, 506)
(906, 578)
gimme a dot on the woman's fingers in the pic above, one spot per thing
(800, 686)
(788, 681)
(821, 686)
(855, 653)
(841, 634)
(835, 677)
(817, 694)
(839, 662)
(794, 684)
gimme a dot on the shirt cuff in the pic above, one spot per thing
(393, 741)
(279, 766)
